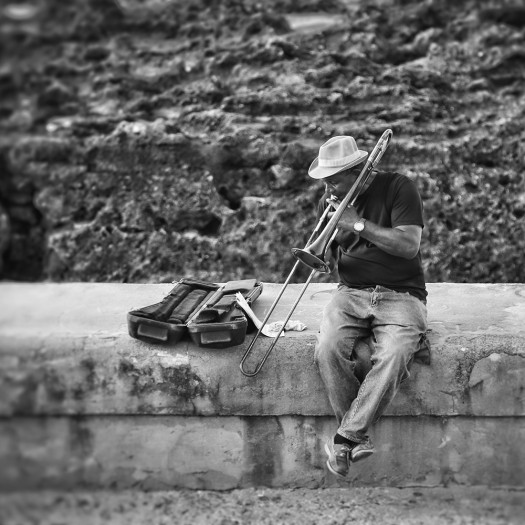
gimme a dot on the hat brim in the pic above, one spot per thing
(320, 172)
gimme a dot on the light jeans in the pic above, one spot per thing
(361, 382)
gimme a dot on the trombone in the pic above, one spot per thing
(314, 254)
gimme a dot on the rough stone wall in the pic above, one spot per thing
(146, 141)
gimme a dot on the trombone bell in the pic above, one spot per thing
(311, 260)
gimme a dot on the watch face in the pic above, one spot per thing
(359, 226)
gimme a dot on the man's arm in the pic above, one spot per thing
(401, 241)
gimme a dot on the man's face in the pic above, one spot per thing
(340, 183)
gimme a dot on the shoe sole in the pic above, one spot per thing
(327, 450)
(362, 455)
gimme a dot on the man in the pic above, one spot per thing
(380, 299)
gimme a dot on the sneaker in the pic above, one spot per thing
(339, 456)
(362, 451)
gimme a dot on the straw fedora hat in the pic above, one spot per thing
(335, 155)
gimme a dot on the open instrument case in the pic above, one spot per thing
(207, 311)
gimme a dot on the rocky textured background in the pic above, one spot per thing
(144, 141)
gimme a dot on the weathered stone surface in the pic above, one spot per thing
(5, 233)
(146, 117)
(223, 453)
(64, 349)
(82, 404)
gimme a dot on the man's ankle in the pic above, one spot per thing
(341, 440)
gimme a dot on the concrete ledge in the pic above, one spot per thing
(64, 349)
(67, 363)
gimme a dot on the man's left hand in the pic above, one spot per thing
(348, 218)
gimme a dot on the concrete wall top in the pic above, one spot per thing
(65, 349)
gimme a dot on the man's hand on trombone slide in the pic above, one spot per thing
(349, 217)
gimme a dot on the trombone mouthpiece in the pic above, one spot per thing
(333, 202)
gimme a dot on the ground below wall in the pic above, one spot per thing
(387, 506)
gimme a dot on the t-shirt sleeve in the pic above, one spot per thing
(407, 207)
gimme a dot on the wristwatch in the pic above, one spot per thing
(359, 226)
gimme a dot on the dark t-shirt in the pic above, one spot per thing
(391, 200)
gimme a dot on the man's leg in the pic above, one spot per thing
(339, 361)
(392, 350)
(340, 332)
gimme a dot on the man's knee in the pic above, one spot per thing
(395, 360)
(325, 349)
(334, 348)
